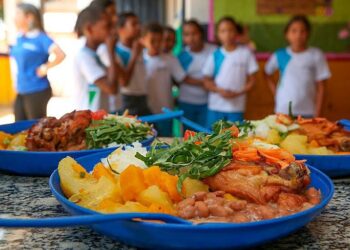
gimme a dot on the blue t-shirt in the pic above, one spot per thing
(29, 53)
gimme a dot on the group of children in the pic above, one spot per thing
(213, 81)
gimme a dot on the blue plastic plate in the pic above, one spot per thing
(203, 236)
(29, 163)
(331, 165)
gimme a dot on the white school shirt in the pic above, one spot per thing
(193, 63)
(87, 68)
(229, 70)
(299, 73)
(137, 85)
(160, 71)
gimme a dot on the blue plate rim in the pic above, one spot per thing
(325, 200)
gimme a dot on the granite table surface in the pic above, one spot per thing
(31, 197)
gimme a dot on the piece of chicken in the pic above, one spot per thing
(257, 183)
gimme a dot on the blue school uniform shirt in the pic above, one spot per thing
(299, 73)
(230, 70)
(30, 51)
(193, 63)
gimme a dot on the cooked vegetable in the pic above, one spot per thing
(198, 157)
(115, 130)
(74, 178)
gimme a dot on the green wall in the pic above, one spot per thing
(267, 30)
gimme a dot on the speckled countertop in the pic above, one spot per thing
(31, 197)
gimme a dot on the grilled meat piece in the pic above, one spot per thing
(325, 133)
(66, 133)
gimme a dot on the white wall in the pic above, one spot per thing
(198, 9)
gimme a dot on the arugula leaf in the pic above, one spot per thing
(101, 133)
(191, 159)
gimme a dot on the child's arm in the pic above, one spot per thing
(210, 85)
(319, 96)
(271, 83)
(247, 87)
(125, 77)
(270, 67)
(108, 84)
(194, 81)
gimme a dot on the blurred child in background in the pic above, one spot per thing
(193, 97)
(243, 37)
(303, 72)
(229, 74)
(31, 56)
(91, 76)
(169, 40)
(129, 54)
(161, 68)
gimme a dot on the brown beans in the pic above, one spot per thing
(200, 196)
(216, 210)
(201, 209)
(204, 205)
(237, 205)
(187, 212)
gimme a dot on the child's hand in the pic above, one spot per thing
(228, 93)
(209, 85)
(41, 71)
(111, 41)
(137, 47)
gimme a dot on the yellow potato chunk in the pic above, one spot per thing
(295, 144)
(19, 140)
(154, 195)
(320, 151)
(273, 137)
(73, 177)
(94, 195)
(192, 186)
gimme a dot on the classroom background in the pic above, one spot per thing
(265, 20)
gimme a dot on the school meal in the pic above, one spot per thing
(219, 177)
(77, 130)
(317, 136)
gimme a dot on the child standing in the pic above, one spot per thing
(303, 72)
(129, 54)
(229, 74)
(193, 97)
(90, 75)
(169, 40)
(161, 68)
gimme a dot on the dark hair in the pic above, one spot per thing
(89, 15)
(240, 29)
(169, 30)
(298, 18)
(229, 20)
(195, 23)
(30, 9)
(123, 18)
(103, 3)
(152, 28)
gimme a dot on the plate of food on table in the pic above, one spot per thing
(323, 143)
(207, 191)
(35, 147)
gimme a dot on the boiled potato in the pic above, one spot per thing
(18, 141)
(192, 186)
(273, 137)
(92, 196)
(74, 178)
(320, 151)
(295, 144)
(154, 195)
(5, 140)
(131, 207)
